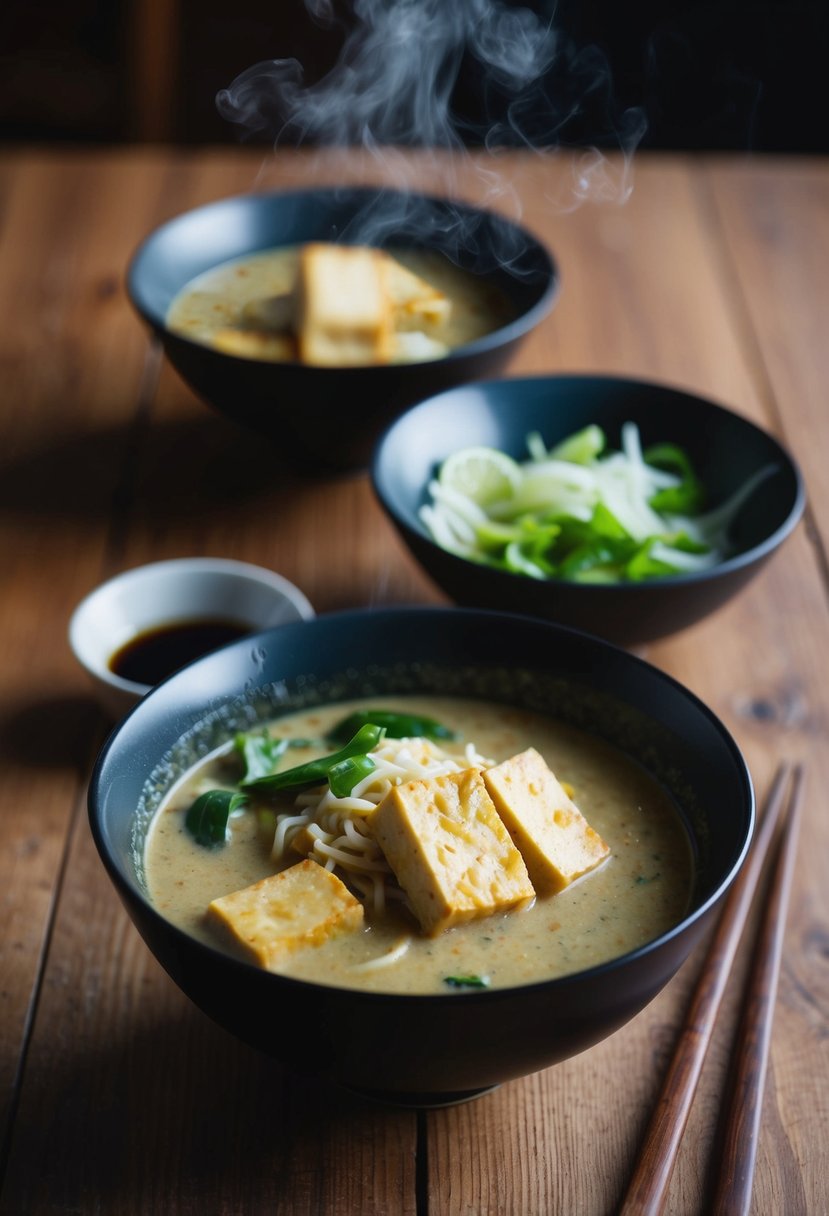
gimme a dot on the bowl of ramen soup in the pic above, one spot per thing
(627, 508)
(421, 851)
(315, 316)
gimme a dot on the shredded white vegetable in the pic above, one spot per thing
(332, 830)
(707, 527)
(548, 488)
(385, 960)
(684, 561)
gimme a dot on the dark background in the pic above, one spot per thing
(747, 75)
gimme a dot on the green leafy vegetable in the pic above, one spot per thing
(262, 752)
(581, 447)
(206, 820)
(649, 561)
(686, 498)
(580, 512)
(517, 560)
(396, 725)
(604, 523)
(466, 981)
(314, 772)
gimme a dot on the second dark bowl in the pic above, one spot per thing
(324, 417)
(725, 448)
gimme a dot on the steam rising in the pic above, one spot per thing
(393, 85)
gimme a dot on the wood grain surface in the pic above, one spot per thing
(118, 1096)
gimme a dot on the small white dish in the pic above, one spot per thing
(168, 593)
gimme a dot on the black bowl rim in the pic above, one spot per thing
(512, 331)
(686, 578)
(126, 886)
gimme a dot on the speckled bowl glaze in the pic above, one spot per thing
(424, 1050)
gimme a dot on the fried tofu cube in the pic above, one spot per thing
(552, 835)
(344, 314)
(414, 300)
(449, 850)
(412, 346)
(255, 344)
(298, 907)
(303, 842)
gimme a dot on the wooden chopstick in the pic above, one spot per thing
(648, 1185)
(732, 1193)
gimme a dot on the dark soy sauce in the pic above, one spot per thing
(151, 656)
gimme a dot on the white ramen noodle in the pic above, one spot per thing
(334, 831)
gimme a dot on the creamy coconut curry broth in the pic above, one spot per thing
(638, 891)
(332, 305)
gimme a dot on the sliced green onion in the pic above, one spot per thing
(604, 523)
(582, 447)
(645, 563)
(536, 446)
(597, 553)
(314, 772)
(495, 535)
(343, 776)
(396, 725)
(518, 562)
(688, 497)
(582, 513)
(714, 524)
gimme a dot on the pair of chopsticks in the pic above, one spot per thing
(649, 1183)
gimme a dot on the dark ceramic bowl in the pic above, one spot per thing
(725, 448)
(424, 1049)
(332, 416)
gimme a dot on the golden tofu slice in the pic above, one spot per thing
(413, 299)
(303, 842)
(412, 346)
(255, 344)
(554, 838)
(344, 312)
(302, 906)
(449, 850)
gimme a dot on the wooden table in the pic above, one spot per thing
(118, 1096)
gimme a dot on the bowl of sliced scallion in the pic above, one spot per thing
(629, 509)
